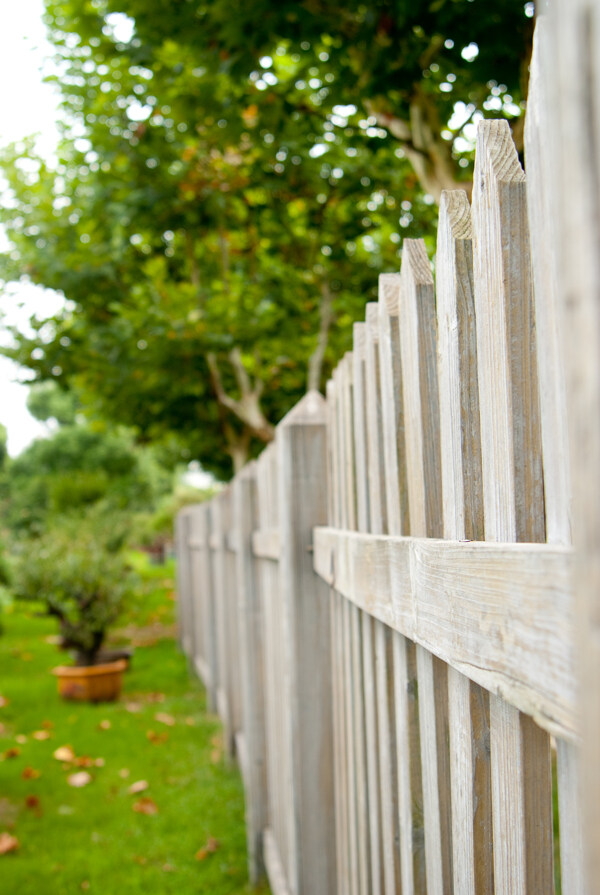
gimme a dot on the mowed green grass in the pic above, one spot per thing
(90, 838)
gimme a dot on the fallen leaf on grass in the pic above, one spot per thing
(133, 707)
(145, 805)
(64, 753)
(81, 778)
(99, 762)
(21, 739)
(155, 697)
(3, 702)
(33, 802)
(138, 786)
(48, 725)
(191, 722)
(30, 773)
(163, 718)
(12, 752)
(41, 734)
(124, 773)
(210, 846)
(8, 843)
(105, 725)
(155, 737)
(83, 761)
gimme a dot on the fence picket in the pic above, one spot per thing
(512, 487)
(463, 519)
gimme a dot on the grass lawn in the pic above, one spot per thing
(98, 838)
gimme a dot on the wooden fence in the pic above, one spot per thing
(381, 606)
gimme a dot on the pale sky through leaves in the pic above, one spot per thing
(27, 106)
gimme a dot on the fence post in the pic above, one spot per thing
(184, 583)
(302, 465)
(251, 747)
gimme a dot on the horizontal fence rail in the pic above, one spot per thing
(381, 606)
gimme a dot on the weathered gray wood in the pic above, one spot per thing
(185, 626)
(335, 600)
(348, 520)
(571, 68)
(252, 669)
(410, 787)
(360, 433)
(376, 711)
(548, 322)
(543, 223)
(513, 602)
(421, 407)
(207, 599)
(420, 390)
(512, 482)
(460, 437)
(392, 408)
(302, 463)
(463, 519)
(509, 406)
(473, 867)
(265, 543)
(368, 673)
(339, 682)
(275, 868)
(433, 723)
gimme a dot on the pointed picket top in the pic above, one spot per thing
(389, 292)
(310, 410)
(416, 263)
(457, 212)
(496, 147)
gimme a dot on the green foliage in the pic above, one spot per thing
(155, 529)
(80, 582)
(229, 184)
(76, 469)
(92, 835)
(47, 401)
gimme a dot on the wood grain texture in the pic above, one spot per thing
(275, 868)
(302, 464)
(506, 347)
(252, 677)
(420, 390)
(410, 787)
(265, 543)
(418, 339)
(500, 613)
(573, 75)
(512, 482)
(460, 442)
(457, 365)
(550, 323)
(392, 408)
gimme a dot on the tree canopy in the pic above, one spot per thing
(230, 182)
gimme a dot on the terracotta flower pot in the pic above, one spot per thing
(92, 683)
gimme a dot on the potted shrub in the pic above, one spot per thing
(84, 586)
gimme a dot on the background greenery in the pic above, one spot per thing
(90, 838)
(229, 183)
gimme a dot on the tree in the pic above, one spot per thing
(406, 62)
(221, 205)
